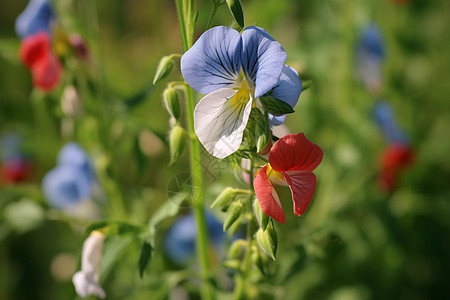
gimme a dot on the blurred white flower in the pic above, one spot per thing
(86, 280)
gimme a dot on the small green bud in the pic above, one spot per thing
(233, 264)
(165, 66)
(262, 218)
(233, 214)
(177, 141)
(236, 250)
(227, 196)
(170, 98)
(236, 10)
(262, 130)
(224, 198)
(267, 240)
(258, 262)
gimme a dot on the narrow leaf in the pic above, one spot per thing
(144, 258)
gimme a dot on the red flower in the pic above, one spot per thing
(291, 160)
(36, 53)
(15, 169)
(395, 159)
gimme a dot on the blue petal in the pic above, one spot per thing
(385, 118)
(65, 186)
(289, 86)
(276, 120)
(372, 41)
(73, 155)
(36, 17)
(262, 59)
(214, 60)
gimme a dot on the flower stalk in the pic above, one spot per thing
(185, 10)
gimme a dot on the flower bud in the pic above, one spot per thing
(233, 214)
(236, 10)
(165, 66)
(267, 240)
(171, 102)
(224, 198)
(177, 141)
(262, 218)
(71, 102)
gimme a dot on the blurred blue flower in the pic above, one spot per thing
(74, 156)
(72, 181)
(384, 115)
(213, 66)
(370, 51)
(180, 239)
(10, 144)
(65, 187)
(36, 17)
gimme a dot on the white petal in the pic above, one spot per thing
(91, 256)
(85, 285)
(219, 124)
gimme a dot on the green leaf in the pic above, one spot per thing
(267, 240)
(262, 130)
(275, 106)
(262, 218)
(237, 12)
(144, 258)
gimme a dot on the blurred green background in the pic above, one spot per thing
(355, 242)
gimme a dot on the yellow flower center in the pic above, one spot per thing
(242, 96)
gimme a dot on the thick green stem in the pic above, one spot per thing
(185, 10)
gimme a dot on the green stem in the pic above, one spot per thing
(185, 16)
(212, 16)
(239, 291)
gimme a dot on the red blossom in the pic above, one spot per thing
(292, 158)
(36, 53)
(396, 158)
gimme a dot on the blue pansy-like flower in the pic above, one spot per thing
(36, 17)
(72, 181)
(369, 55)
(234, 70)
(385, 118)
(179, 241)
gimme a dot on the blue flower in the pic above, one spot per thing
(64, 187)
(369, 55)
(72, 181)
(179, 241)
(385, 118)
(214, 65)
(36, 17)
(74, 156)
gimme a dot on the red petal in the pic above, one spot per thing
(396, 156)
(263, 191)
(303, 186)
(34, 48)
(46, 72)
(295, 152)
